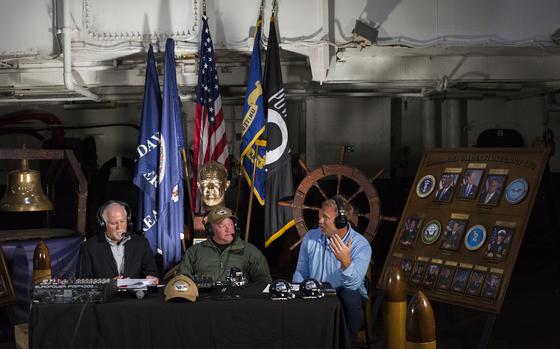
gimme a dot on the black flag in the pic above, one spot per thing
(279, 182)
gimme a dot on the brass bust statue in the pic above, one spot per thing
(212, 184)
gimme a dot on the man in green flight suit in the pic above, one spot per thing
(224, 251)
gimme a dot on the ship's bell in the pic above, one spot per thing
(24, 192)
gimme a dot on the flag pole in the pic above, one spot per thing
(187, 176)
(250, 209)
(239, 183)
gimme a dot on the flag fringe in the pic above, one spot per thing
(279, 233)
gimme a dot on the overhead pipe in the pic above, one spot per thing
(42, 100)
(67, 53)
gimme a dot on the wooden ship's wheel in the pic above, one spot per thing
(337, 179)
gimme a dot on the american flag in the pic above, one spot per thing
(210, 141)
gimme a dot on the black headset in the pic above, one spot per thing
(210, 232)
(341, 220)
(101, 222)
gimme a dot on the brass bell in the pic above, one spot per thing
(24, 192)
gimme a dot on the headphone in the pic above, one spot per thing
(341, 220)
(210, 232)
(101, 221)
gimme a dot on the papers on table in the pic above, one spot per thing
(133, 284)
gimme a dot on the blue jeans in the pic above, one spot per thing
(352, 304)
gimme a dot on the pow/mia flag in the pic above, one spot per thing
(279, 182)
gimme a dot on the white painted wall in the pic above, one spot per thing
(26, 25)
(26, 28)
(420, 22)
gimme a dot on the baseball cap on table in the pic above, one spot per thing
(181, 286)
(218, 214)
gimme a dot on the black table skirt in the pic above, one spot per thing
(254, 321)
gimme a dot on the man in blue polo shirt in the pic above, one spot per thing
(337, 254)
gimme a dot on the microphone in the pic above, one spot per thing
(124, 235)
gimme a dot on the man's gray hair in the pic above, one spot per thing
(110, 206)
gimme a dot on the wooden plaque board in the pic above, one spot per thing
(470, 261)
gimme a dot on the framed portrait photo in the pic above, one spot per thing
(492, 190)
(410, 231)
(470, 182)
(475, 283)
(491, 285)
(406, 266)
(460, 280)
(498, 242)
(7, 294)
(446, 187)
(446, 275)
(453, 235)
(431, 275)
(418, 272)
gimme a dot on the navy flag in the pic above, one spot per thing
(279, 181)
(170, 222)
(253, 123)
(146, 166)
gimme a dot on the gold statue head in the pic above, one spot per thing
(212, 183)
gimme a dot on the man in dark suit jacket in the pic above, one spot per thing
(469, 188)
(491, 196)
(114, 253)
(445, 191)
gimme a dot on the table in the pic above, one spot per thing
(254, 321)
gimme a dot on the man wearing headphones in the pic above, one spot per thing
(115, 253)
(223, 251)
(337, 254)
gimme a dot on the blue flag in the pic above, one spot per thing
(170, 222)
(146, 166)
(253, 124)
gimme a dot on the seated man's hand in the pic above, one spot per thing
(341, 251)
(153, 279)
